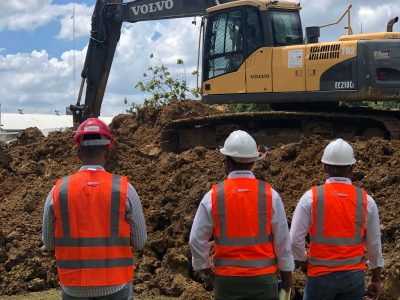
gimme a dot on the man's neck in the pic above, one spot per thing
(92, 162)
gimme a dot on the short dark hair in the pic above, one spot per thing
(239, 166)
(92, 150)
(339, 171)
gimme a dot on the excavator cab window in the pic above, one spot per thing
(224, 47)
(286, 27)
(231, 37)
(254, 32)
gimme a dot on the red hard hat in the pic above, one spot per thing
(94, 126)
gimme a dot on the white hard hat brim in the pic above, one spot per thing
(239, 158)
(327, 162)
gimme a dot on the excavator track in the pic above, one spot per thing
(274, 127)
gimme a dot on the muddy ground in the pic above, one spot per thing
(170, 187)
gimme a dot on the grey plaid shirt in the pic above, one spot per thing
(134, 216)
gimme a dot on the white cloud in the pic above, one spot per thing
(375, 18)
(28, 15)
(82, 19)
(133, 55)
(35, 81)
(42, 84)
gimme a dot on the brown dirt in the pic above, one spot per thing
(171, 187)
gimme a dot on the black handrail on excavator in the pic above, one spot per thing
(107, 19)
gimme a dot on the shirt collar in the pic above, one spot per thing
(91, 168)
(241, 174)
(338, 180)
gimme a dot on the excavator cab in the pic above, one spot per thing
(238, 46)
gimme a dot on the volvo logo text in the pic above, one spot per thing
(152, 7)
(259, 76)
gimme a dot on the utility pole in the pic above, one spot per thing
(0, 118)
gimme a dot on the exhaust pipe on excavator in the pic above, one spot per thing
(391, 23)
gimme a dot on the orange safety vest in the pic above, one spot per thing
(242, 211)
(92, 237)
(337, 233)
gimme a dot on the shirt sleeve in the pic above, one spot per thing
(373, 236)
(135, 217)
(202, 230)
(48, 222)
(301, 223)
(280, 232)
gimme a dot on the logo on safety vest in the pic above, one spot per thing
(342, 195)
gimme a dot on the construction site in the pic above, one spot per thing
(250, 52)
(171, 186)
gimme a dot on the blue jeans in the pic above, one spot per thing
(343, 285)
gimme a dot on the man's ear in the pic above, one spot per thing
(351, 168)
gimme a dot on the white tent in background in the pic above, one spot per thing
(14, 123)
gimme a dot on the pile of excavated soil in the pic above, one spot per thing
(170, 187)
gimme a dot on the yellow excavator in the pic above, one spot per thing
(254, 51)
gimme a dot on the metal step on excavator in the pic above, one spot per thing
(254, 51)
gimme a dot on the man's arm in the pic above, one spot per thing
(135, 217)
(48, 222)
(201, 233)
(373, 236)
(301, 223)
(281, 241)
(374, 249)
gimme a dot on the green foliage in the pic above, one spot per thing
(250, 107)
(162, 87)
(382, 104)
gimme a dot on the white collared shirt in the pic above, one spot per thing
(203, 224)
(302, 220)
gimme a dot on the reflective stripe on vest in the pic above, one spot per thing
(248, 263)
(114, 240)
(262, 238)
(336, 262)
(94, 263)
(319, 237)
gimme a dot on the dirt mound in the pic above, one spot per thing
(184, 109)
(170, 187)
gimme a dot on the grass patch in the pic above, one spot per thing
(55, 294)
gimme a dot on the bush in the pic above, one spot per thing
(162, 87)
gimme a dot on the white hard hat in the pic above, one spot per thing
(338, 153)
(241, 147)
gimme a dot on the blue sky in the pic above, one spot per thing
(37, 50)
(27, 41)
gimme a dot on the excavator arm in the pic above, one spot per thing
(107, 19)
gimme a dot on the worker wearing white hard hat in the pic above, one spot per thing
(248, 221)
(342, 221)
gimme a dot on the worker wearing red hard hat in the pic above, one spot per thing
(92, 219)
(248, 221)
(98, 130)
(342, 221)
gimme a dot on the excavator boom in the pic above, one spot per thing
(107, 19)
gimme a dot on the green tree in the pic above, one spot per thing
(162, 86)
